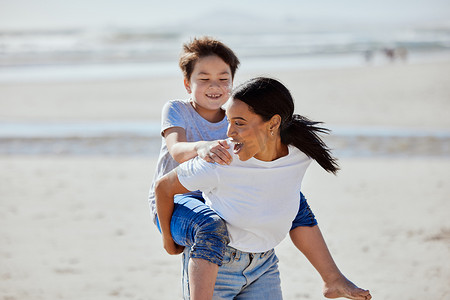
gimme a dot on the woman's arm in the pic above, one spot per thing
(165, 189)
(181, 150)
(310, 242)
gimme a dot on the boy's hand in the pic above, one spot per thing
(171, 247)
(215, 151)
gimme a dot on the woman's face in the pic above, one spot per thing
(247, 130)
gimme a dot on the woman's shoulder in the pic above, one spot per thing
(297, 154)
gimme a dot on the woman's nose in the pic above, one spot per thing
(230, 131)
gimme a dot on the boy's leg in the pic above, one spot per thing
(192, 281)
(196, 226)
(305, 216)
(202, 278)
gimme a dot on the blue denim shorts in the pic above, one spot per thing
(243, 276)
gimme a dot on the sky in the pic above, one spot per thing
(50, 14)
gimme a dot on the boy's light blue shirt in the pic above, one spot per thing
(180, 113)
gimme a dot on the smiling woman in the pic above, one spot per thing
(251, 135)
(263, 112)
(256, 194)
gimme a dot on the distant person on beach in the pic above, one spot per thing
(390, 54)
(257, 193)
(197, 127)
(393, 54)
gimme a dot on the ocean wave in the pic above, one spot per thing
(40, 47)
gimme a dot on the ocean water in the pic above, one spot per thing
(49, 40)
(114, 53)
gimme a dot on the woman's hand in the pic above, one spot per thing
(215, 151)
(170, 246)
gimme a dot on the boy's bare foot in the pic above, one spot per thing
(344, 288)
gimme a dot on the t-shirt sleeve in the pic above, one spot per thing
(172, 116)
(197, 174)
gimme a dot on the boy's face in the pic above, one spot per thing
(210, 83)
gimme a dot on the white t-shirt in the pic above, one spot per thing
(258, 200)
(180, 113)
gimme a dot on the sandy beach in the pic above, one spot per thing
(79, 227)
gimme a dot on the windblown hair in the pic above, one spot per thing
(203, 47)
(267, 97)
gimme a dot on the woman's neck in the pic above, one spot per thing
(274, 150)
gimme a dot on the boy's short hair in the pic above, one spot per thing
(202, 47)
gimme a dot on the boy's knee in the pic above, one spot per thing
(211, 240)
(214, 227)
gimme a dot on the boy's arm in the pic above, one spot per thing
(165, 189)
(181, 150)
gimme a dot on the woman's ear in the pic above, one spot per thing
(275, 122)
(187, 85)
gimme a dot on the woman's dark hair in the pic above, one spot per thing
(203, 47)
(267, 97)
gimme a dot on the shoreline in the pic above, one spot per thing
(351, 144)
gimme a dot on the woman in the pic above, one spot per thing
(257, 194)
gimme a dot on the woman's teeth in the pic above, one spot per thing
(237, 147)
